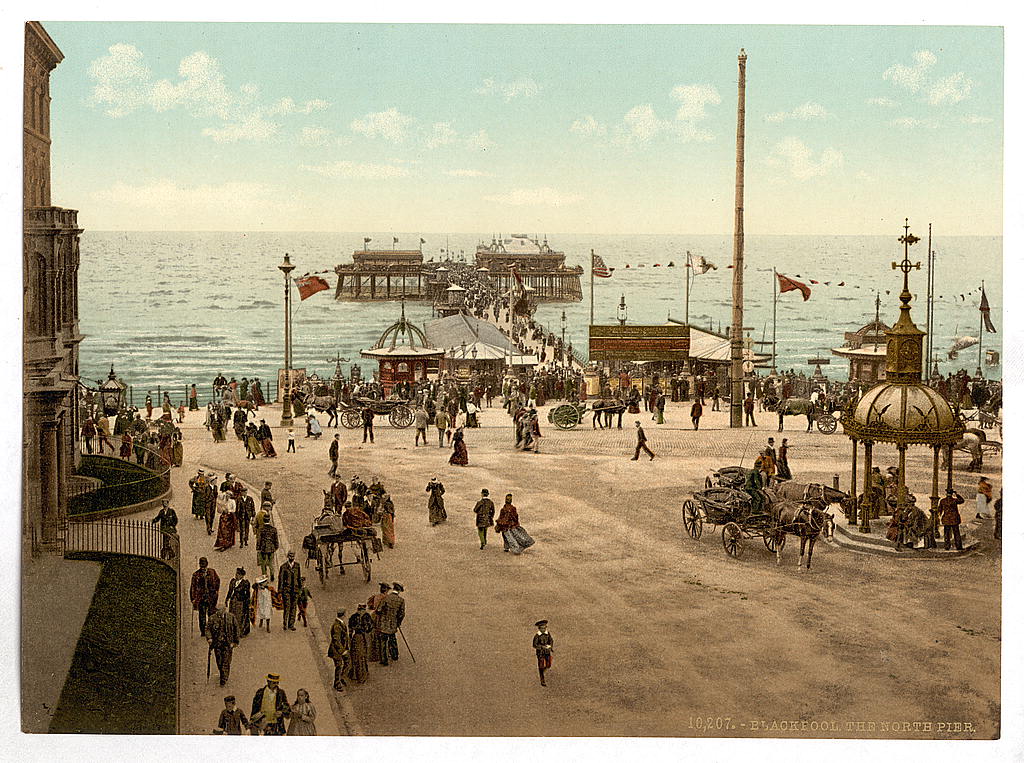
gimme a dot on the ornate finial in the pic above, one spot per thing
(908, 239)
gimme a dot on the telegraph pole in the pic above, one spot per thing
(736, 333)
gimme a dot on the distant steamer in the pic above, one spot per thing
(385, 274)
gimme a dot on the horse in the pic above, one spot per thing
(803, 519)
(822, 495)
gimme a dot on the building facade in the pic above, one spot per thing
(50, 311)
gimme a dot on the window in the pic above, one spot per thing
(403, 368)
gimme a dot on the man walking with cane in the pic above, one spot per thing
(203, 591)
(390, 616)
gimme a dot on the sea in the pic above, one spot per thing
(168, 309)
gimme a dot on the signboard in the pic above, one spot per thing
(671, 343)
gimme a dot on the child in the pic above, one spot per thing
(543, 645)
(303, 601)
(181, 412)
(232, 719)
(291, 441)
(263, 605)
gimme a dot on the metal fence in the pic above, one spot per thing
(117, 491)
(179, 393)
(134, 537)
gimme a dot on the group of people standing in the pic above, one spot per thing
(367, 635)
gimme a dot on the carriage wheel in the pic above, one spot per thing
(320, 566)
(400, 416)
(351, 419)
(565, 416)
(364, 561)
(774, 540)
(827, 424)
(692, 520)
(732, 540)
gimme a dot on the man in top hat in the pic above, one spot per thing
(289, 584)
(245, 511)
(390, 614)
(949, 515)
(338, 650)
(543, 645)
(203, 591)
(269, 708)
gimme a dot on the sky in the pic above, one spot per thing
(484, 128)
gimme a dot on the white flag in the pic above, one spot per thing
(699, 264)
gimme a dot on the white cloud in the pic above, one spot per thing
(253, 128)
(910, 123)
(975, 119)
(541, 197)
(468, 174)
(911, 77)
(798, 158)
(520, 88)
(314, 136)
(641, 124)
(442, 134)
(804, 113)
(951, 89)
(391, 125)
(123, 83)
(887, 102)
(692, 100)
(479, 141)
(588, 126)
(354, 170)
(168, 195)
(289, 106)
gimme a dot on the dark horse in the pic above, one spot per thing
(805, 519)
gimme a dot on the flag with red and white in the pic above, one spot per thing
(310, 285)
(788, 284)
(986, 312)
(598, 268)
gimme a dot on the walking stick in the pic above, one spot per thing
(406, 644)
(208, 653)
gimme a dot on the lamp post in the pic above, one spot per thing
(564, 358)
(286, 268)
(622, 311)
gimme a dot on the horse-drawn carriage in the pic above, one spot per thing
(328, 536)
(398, 412)
(826, 421)
(787, 509)
(570, 415)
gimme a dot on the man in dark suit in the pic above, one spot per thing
(338, 650)
(203, 591)
(333, 455)
(222, 636)
(368, 423)
(245, 508)
(390, 614)
(641, 443)
(269, 708)
(289, 583)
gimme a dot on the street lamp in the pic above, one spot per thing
(564, 359)
(622, 311)
(286, 268)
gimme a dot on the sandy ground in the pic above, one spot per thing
(656, 634)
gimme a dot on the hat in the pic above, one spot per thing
(397, 586)
(273, 677)
(484, 492)
(240, 571)
(341, 613)
(265, 504)
(262, 580)
(384, 586)
(540, 623)
(950, 491)
(230, 698)
(361, 606)
(433, 479)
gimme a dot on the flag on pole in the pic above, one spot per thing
(699, 264)
(394, 240)
(788, 284)
(986, 312)
(598, 267)
(310, 285)
(423, 241)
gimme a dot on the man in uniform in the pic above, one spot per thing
(484, 511)
(949, 514)
(338, 650)
(289, 583)
(222, 636)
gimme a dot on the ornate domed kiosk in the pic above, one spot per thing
(901, 410)
(407, 361)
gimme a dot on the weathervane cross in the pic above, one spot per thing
(908, 239)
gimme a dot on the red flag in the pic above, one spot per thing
(598, 268)
(310, 285)
(986, 312)
(788, 284)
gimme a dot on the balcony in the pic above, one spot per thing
(51, 217)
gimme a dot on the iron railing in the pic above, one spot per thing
(134, 537)
(116, 492)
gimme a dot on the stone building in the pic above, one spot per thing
(50, 303)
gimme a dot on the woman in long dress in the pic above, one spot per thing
(435, 504)
(387, 521)
(515, 537)
(360, 626)
(228, 525)
(252, 442)
(303, 717)
(460, 456)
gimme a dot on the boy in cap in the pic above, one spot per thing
(232, 719)
(543, 645)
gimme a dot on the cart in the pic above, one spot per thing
(731, 509)
(399, 414)
(567, 415)
(329, 537)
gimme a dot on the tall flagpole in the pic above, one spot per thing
(736, 334)
(687, 321)
(928, 313)
(775, 307)
(591, 287)
(981, 331)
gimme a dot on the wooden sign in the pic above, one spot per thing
(671, 343)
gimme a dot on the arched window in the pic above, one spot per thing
(403, 368)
